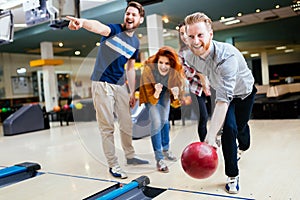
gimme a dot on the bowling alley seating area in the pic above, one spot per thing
(277, 102)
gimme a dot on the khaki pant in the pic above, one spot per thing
(109, 99)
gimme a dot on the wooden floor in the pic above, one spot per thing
(73, 165)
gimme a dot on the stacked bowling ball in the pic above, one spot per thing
(199, 160)
(56, 108)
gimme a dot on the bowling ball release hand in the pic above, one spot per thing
(211, 141)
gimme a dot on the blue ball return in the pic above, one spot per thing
(18, 172)
(135, 190)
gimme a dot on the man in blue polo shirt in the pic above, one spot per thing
(119, 46)
(233, 82)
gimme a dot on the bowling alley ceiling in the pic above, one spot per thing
(262, 25)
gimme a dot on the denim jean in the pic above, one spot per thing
(160, 126)
(235, 129)
(203, 117)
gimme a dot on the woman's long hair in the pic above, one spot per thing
(175, 75)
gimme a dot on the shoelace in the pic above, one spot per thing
(231, 180)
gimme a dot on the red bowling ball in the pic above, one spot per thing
(199, 160)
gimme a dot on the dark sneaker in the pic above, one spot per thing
(162, 167)
(232, 185)
(117, 172)
(136, 161)
(169, 156)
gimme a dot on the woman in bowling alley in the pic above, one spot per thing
(161, 85)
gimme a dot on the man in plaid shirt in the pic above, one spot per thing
(198, 85)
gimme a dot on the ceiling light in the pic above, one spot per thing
(239, 14)
(288, 50)
(60, 44)
(97, 44)
(254, 55)
(20, 25)
(281, 48)
(296, 6)
(277, 6)
(166, 20)
(229, 20)
(223, 19)
(236, 21)
(257, 10)
(244, 52)
(21, 70)
(77, 53)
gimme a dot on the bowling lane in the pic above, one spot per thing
(196, 195)
(51, 186)
(269, 170)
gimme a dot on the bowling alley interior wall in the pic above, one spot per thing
(80, 69)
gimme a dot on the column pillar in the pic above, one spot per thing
(264, 68)
(155, 33)
(49, 77)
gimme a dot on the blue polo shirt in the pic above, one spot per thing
(113, 53)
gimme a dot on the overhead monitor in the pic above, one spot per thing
(35, 13)
(59, 9)
(7, 27)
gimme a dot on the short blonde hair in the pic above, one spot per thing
(198, 17)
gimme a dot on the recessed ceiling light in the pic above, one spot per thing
(60, 44)
(236, 21)
(20, 25)
(296, 6)
(257, 10)
(239, 14)
(254, 55)
(223, 19)
(77, 53)
(165, 19)
(97, 44)
(277, 6)
(288, 50)
(280, 47)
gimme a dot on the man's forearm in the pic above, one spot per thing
(217, 121)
